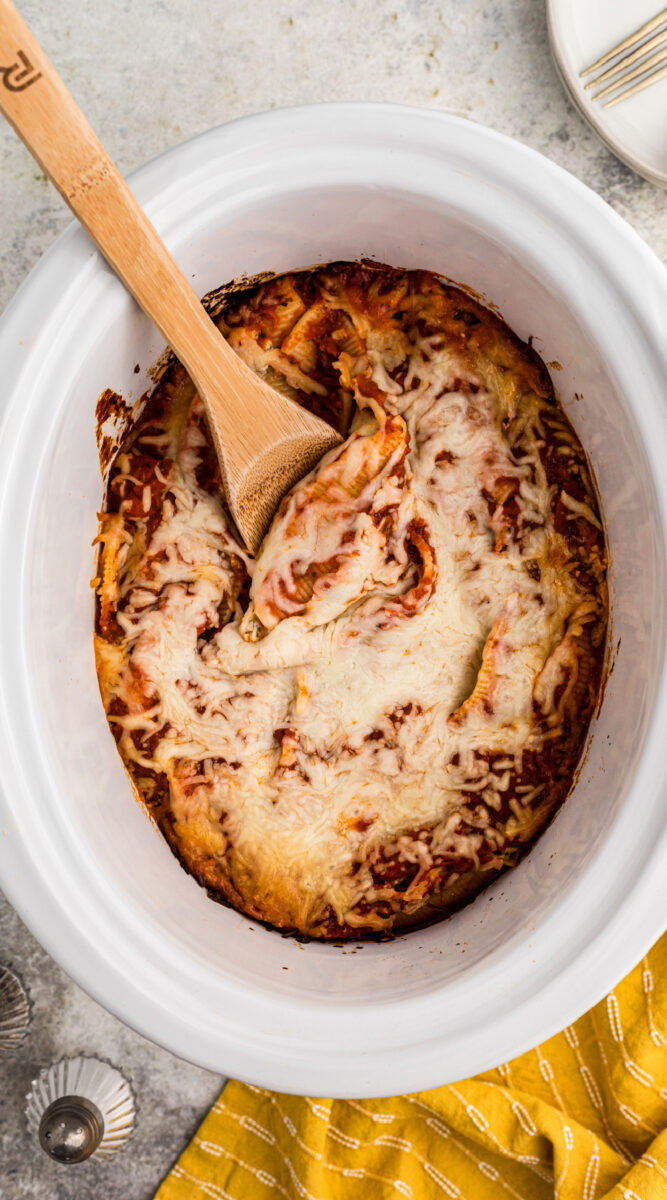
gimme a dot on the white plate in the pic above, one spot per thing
(581, 31)
(78, 858)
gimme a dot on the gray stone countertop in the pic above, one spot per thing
(149, 75)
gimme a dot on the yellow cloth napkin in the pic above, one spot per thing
(581, 1117)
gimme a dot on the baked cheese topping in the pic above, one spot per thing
(356, 729)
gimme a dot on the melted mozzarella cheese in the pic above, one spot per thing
(346, 722)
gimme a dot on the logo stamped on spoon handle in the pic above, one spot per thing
(20, 74)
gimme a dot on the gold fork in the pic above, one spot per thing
(633, 50)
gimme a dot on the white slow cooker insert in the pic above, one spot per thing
(79, 858)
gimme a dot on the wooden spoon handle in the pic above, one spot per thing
(36, 102)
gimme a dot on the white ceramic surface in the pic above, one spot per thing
(581, 31)
(79, 859)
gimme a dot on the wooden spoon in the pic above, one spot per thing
(264, 442)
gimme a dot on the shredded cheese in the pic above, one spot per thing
(416, 623)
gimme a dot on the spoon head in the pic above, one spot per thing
(255, 496)
(264, 441)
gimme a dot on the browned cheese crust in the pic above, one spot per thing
(405, 365)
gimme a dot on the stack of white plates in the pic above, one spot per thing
(581, 31)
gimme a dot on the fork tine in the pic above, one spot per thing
(628, 42)
(640, 70)
(660, 39)
(638, 87)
